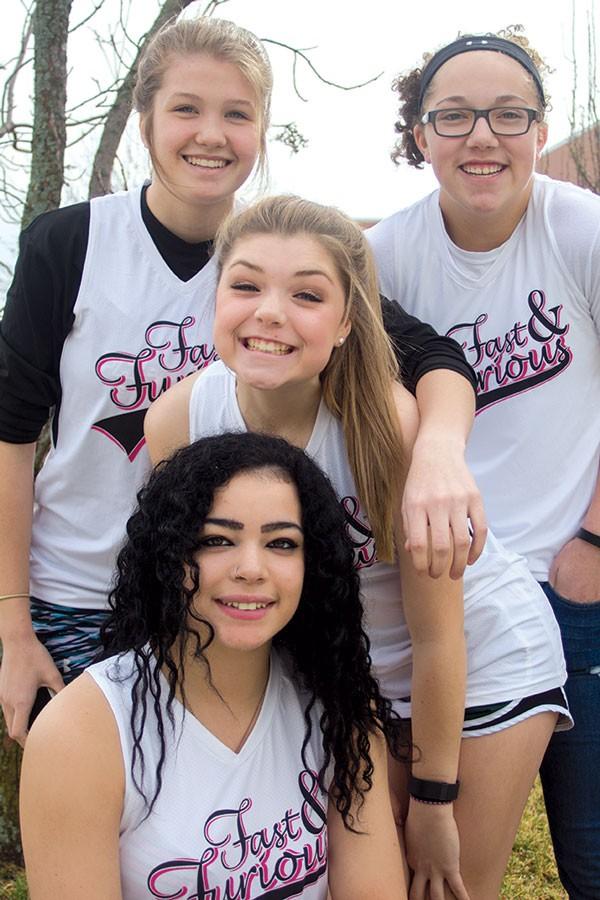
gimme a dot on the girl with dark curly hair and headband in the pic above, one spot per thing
(231, 745)
(477, 680)
(508, 263)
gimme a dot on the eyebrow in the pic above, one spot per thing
(301, 273)
(189, 96)
(234, 525)
(464, 102)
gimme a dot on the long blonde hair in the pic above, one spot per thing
(357, 380)
(220, 39)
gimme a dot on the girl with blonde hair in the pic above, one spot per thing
(112, 303)
(477, 681)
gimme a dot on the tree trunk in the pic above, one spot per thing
(104, 160)
(50, 30)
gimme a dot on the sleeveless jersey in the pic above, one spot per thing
(513, 642)
(137, 330)
(250, 824)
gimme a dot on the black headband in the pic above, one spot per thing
(479, 42)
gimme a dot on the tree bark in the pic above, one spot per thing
(112, 131)
(50, 30)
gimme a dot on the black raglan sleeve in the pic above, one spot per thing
(419, 348)
(38, 317)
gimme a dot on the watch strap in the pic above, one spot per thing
(589, 537)
(432, 791)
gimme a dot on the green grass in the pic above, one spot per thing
(12, 884)
(531, 873)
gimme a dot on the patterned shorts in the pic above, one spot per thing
(71, 636)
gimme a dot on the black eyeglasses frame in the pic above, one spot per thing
(533, 115)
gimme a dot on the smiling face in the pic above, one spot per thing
(251, 560)
(485, 179)
(204, 136)
(281, 310)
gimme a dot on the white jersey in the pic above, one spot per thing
(527, 316)
(513, 642)
(250, 824)
(137, 330)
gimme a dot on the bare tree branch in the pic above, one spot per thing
(98, 6)
(301, 53)
(584, 141)
(8, 93)
(213, 5)
(290, 136)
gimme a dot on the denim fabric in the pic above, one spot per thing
(570, 770)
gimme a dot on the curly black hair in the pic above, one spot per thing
(408, 87)
(158, 576)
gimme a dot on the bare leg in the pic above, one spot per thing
(496, 772)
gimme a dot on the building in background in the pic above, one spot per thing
(576, 159)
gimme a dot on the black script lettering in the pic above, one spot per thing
(168, 349)
(289, 819)
(551, 323)
(288, 866)
(219, 818)
(312, 806)
(126, 395)
(359, 533)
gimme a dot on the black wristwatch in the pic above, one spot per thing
(432, 791)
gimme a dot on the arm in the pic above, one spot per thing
(434, 614)
(440, 491)
(167, 422)
(26, 664)
(369, 863)
(37, 318)
(72, 785)
(575, 570)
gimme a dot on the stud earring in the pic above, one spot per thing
(340, 342)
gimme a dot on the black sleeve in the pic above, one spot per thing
(38, 317)
(419, 348)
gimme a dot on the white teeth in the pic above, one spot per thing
(206, 163)
(245, 606)
(267, 346)
(482, 170)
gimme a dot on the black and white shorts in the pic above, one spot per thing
(480, 720)
(493, 717)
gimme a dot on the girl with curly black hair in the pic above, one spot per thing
(477, 679)
(235, 731)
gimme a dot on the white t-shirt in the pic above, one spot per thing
(138, 329)
(250, 824)
(527, 315)
(513, 642)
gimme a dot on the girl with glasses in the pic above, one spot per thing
(508, 263)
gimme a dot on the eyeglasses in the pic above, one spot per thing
(502, 120)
